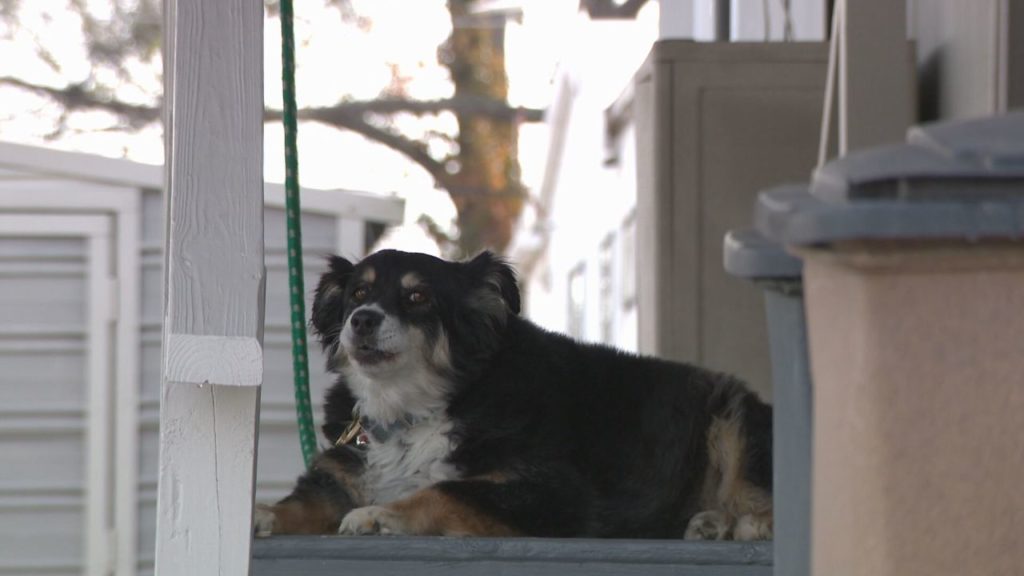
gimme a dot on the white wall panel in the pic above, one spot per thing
(43, 367)
(55, 490)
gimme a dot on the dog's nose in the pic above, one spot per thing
(365, 322)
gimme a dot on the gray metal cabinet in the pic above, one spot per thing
(716, 122)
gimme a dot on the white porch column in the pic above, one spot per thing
(876, 73)
(214, 284)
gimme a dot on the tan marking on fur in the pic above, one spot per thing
(441, 358)
(293, 516)
(411, 280)
(495, 477)
(369, 275)
(726, 493)
(351, 482)
(726, 456)
(754, 527)
(709, 487)
(432, 512)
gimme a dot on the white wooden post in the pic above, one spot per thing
(214, 286)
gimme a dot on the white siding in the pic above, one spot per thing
(44, 368)
(55, 378)
(279, 461)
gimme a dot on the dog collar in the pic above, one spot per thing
(353, 434)
(362, 430)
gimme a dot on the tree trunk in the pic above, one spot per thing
(488, 194)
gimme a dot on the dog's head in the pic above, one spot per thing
(395, 318)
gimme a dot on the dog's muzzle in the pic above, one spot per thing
(366, 322)
(365, 325)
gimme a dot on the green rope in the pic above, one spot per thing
(300, 355)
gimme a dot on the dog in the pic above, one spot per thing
(454, 416)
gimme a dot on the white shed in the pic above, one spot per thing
(81, 242)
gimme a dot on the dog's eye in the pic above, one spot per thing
(416, 297)
(360, 294)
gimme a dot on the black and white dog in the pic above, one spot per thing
(454, 416)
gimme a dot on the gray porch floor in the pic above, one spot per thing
(427, 556)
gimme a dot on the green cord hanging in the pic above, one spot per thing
(300, 354)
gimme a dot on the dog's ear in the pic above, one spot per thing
(329, 303)
(497, 279)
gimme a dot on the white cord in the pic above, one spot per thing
(830, 84)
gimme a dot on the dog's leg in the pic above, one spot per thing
(321, 498)
(477, 507)
(430, 511)
(709, 525)
(754, 527)
(739, 505)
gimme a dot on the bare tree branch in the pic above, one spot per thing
(474, 105)
(411, 149)
(77, 98)
(346, 115)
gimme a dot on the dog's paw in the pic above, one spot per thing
(753, 527)
(371, 520)
(708, 525)
(263, 520)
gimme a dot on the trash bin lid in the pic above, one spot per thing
(797, 217)
(957, 180)
(996, 141)
(749, 254)
(972, 160)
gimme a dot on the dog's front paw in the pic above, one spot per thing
(754, 527)
(709, 525)
(371, 520)
(263, 520)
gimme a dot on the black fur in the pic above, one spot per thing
(327, 310)
(319, 483)
(587, 440)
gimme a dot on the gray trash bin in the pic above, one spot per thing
(914, 294)
(749, 255)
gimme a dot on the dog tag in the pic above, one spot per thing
(353, 431)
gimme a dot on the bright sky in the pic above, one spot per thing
(333, 60)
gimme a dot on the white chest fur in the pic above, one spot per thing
(409, 460)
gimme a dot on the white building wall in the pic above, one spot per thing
(44, 386)
(279, 460)
(591, 205)
(589, 201)
(46, 493)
